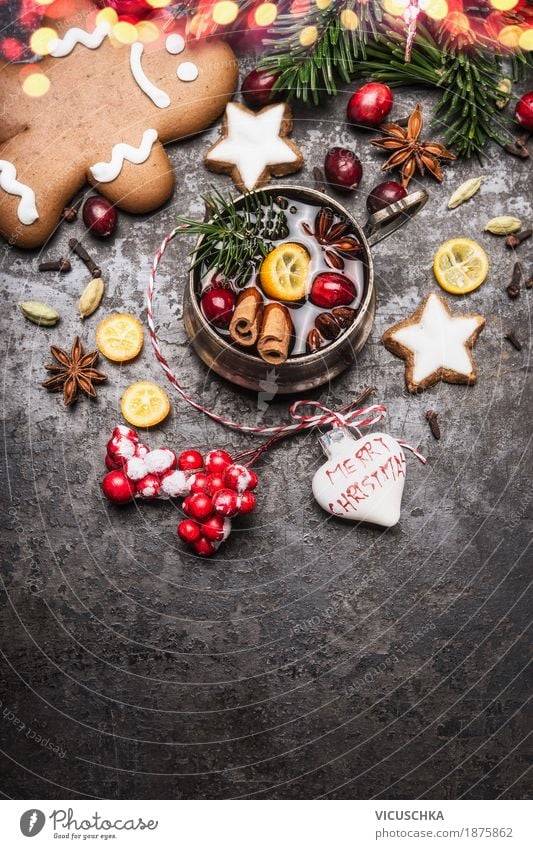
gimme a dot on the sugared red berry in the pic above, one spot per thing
(384, 194)
(117, 487)
(247, 502)
(524, 111)
(218, 460)
(214, 483)
(203, 547)
(332, 290)
(343, 169)
(216, 528)
(148, 487)
(112, 464)
(174, 483)
(257, 88)
(160, 460)
(126, 432)
(198, 482)
(189, 531)
(198, 506)
(141, 449)
(218, 306)
(370, 104)
(190, 461)
(99, 216)
(237, 477)
(226, 502)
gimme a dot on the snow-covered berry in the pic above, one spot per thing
(238, 477)
(226, 502)
(217, 461)
(160, 460)
(148, 487)
(174, 483)
(198, 482)
(216, 528)
(135, 468)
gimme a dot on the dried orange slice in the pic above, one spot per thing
(285, 271)
(119, 337)
(144, 404)
(460, 266)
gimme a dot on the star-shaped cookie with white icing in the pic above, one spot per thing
(435, 344)
(253, 146)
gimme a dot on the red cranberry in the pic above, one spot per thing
(384, 194)
(238, 477)
(524, 111)
(253, 480)
(256, 88)
(226, 502)
(118, 488)
(370, 105)
(198, 482)
(216, 528)
(99, 216)
(217, 461)
(190, 461)
(218, 306)
(247, 503)
(332, 290)
(198, 506)
(343, 169)
(189, 531)
(203, 547)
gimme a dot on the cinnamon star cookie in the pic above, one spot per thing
(435, 344)
(253, 146)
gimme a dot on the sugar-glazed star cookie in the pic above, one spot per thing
(435, 344)
(253, 146)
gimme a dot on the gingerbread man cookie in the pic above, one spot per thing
(435, 344)
(105, 118)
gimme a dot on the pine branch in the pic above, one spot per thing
(234, 239)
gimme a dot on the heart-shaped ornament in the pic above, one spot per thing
(362, 480)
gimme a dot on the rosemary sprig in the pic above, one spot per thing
(234, 239)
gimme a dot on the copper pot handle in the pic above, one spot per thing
(381, 224)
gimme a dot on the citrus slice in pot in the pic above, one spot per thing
(144, 404)
(460, 266)
(119, 337)
(284, 272)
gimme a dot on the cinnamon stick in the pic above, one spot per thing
(246, 320)
(275, 334)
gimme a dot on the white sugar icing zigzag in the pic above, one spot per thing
(159, 97)
(63, 46)
(27, 210)
(105, 172)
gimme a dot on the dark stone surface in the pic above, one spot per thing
(309, 658)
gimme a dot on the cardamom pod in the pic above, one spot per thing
(39, 313)
(504, 86)
(503, 225)
(91, 297)
(465, 191)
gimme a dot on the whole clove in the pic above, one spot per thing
(70, 213)
(80, 251)
(433, 419)
(511, 337)
(318, 177)
(513, 289)
(518, 147)
(515, 239)
(62, 265)
(529, 282)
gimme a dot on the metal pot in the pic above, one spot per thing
(310, 370)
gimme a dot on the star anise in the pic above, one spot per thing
(409, 152)
(75, 371)
(334, 237)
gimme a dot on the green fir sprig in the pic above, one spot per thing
(234, 237)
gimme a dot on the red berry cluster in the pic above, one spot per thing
(215, 488)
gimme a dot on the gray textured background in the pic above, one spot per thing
(309, 657)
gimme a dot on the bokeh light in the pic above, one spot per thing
(457, 23)
(349, 19)
(510, 36)
(323, 4)
(504, 5)
(308, 36)
(36, 84)
(44, 2)
(436, 9)
(158, 4)
(42, 39)
(225, 12)
(147, 31)
(525, 41)
(107, 16)
(396, 8)
(265, 14)
(124, 32)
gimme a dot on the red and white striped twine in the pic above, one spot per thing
(346, 417)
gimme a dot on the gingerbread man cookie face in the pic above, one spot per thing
(105, 118)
